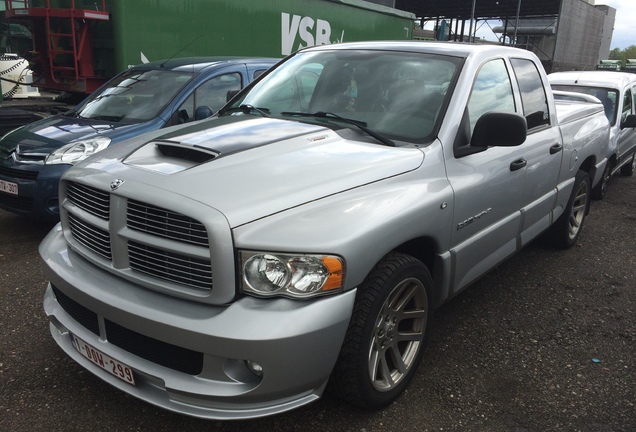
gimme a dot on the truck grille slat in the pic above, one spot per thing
(164, 223)
(95, 239)
(89, 199)
(170, 266)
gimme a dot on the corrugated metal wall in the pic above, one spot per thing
(579, 36)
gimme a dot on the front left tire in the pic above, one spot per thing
(387, 333)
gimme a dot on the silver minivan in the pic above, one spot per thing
(616, 91)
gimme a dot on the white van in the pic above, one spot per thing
(616, 91)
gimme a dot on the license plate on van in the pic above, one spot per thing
(8, 187)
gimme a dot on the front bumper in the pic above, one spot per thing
(295, 342)
(37, 190)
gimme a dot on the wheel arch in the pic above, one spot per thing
(425, 250)
(589, 166)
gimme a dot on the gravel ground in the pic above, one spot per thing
(545, 342)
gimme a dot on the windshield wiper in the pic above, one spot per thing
(358, 123)
(70, 113)
(247, 109)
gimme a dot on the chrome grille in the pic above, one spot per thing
(90, 236)
(165, 223)
(89, 199)
(170, 266)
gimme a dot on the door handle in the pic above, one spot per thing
(518, 164)
(556, 148)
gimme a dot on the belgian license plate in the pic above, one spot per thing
(100, 359)
(8, 187)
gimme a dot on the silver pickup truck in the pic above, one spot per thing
(302, 238)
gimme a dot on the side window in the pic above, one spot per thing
(212, 93)
(492, 91)
(258, 73)
(627, 105)
(533, 97)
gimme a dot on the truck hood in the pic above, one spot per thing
(255, 167)
(47, 135)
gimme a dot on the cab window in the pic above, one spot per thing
(533, 97)
(492, 91)
(627, 105)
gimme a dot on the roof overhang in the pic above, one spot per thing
(484, 9)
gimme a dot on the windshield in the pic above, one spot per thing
(608, 97)
(135, 96)
(398, 94)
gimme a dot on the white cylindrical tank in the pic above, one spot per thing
(15, 68)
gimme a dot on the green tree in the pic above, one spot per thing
(623, 55)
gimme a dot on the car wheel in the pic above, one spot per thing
(387, 333)
(568, 227)
(628, 169)
(599, 191)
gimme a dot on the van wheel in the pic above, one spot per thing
(628, 169)
(387, 333)
(599, 191)
(568, 227)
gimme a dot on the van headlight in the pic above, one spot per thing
(77, 151)
(290, 275)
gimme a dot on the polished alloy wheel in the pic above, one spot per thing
(579, 207)
(398, 333)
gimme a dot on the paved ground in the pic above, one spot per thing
(545, 342)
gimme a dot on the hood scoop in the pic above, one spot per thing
(167, 157)
(216, 138)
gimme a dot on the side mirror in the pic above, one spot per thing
(630, 122)
(203, 112)
(499, 129)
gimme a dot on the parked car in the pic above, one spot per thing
(616, 91)
(143, 98)
(237, 266)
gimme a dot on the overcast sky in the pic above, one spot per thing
(624, 32)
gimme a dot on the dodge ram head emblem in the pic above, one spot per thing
(115, 184)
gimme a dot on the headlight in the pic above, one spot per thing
(77, 151)
(291, 275)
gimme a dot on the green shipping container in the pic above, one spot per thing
(147, 30)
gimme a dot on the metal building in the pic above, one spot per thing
(565, 34)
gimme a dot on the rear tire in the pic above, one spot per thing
(567, 229)
(387, 333)
(628, 169)
(599, 191)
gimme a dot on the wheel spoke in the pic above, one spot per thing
(398, 361)
(409, 336)
(413, 314)
(579, 208)
(385, 372)
(402, 296)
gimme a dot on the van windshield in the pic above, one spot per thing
(134, 96)
(608, 97)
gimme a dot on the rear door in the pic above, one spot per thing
(543, 151)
